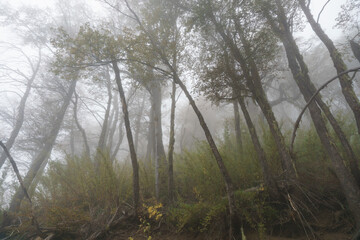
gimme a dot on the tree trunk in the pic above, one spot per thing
(253, 80)
(45, 152)
(114, 124)
(239, 144)
(20, 116)
(268, 178)
(355, 49)
(138, 123)
(104, 129)
(301, 76)
(160, 157)
(81, 129)
(171, 185)
(150, 150)
(134, 162)
(340, 66)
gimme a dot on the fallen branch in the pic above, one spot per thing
(13, 163)
(296, 126)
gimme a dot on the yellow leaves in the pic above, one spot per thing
(153, 211)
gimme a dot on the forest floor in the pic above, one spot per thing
(132, 232)
(126, 235)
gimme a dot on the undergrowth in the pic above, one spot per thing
(80, 196)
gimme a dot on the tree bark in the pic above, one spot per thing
(340, 66)
(45, 152)
(134, 162)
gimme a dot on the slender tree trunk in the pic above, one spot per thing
(20, 117)
(134, 162)
(301, 76)
(114, 123)
(239, 144)
(45, 152)
(118, 144)
(138, 123)
(150, 150)
(81, 129)
(340, 66)
(72, 140)
(171, 185)
(253, 80)
(268, 178)
(104, 129)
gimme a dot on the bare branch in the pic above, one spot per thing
(296, 126)
(318, 18)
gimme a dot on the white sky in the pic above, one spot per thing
(327, 19)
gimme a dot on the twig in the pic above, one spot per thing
(13, 163)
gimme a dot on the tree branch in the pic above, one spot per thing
(296, 126)
(318, 18)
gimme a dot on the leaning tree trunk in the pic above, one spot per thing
(20, 116)
(134, 162)
(300, 73)
(45, 152)
(253, 80)
(268, 178)
(340, 66)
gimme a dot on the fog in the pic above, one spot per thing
(141, 82)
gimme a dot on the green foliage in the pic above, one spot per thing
(79, 191)
(209, 216)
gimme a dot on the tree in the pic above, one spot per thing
(21, 108)
(94, 48)
(275, 14)
(250, 65)
(234, 232)
(44, 153)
